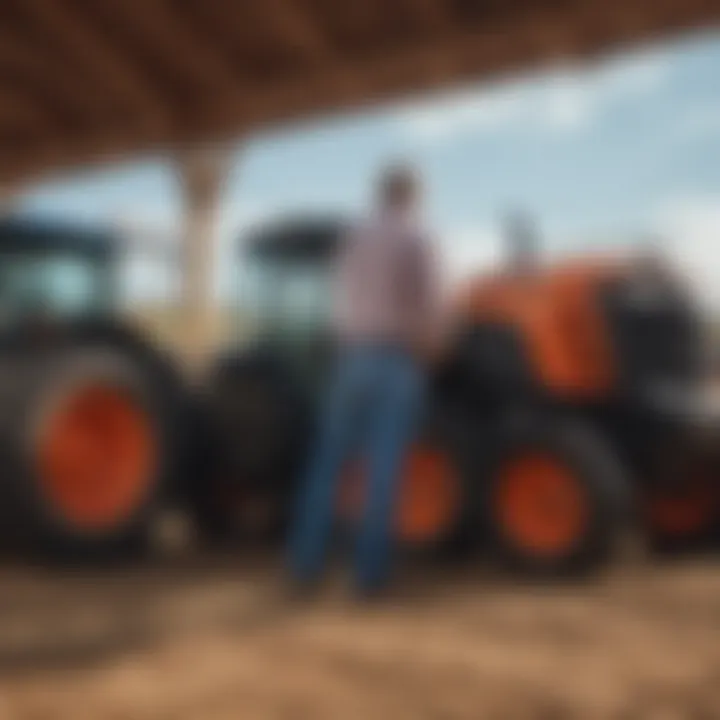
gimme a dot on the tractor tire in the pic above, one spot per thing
(253, 430)
(555, 497)
(111, 335)
(682, 513)
(434, 512)
(84, 453)
(170, 399)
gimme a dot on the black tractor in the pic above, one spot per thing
(90, 415)
(263, 397)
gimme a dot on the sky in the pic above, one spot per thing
(607, 154)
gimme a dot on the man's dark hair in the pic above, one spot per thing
(399, 185)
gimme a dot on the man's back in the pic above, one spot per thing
(386, 284)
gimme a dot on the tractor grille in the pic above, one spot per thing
(654, 333)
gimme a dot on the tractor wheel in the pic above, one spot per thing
(253, 428)
(434, 508)
(83, 451)
(682, 516)
(555, 497)
(162, 378)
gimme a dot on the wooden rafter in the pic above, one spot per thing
(83, 41)
(181, 45)
(15, 54)
(19, 112)
(252, 63)
(58, 93)
(293, 25)
(432, 14)
(17, 109)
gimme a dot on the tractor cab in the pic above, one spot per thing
(261, 393)
(52, 271)
(285, 291)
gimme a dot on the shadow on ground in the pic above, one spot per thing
(216, 638)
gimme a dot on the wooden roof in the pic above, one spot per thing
(82, 80)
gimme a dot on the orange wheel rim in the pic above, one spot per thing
(541, 506)
(429, 495)
(685, 511)
(96, 457)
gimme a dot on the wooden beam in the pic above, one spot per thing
(113, 69)
(56, 89)
(17, 105)
(293, 26)
(253, 34)
(434, 15)
(18, 111)
(175, 41)
(15, 53)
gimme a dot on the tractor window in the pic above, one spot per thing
(58, 284)
(287, 297)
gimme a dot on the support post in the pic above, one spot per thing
(202, 172)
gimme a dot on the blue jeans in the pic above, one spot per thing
(372, 407)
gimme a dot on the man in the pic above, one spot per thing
(386, 305)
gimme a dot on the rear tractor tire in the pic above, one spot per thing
(555, 498)
(682, 515)
(84, 453)
(434, 507)
(253, 432)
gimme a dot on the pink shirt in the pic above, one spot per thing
(387, 283)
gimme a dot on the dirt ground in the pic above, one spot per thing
(205, 639)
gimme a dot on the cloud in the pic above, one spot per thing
(460, 113)
(690, 228)
(566, 100)
(626, 77)
(468, 249)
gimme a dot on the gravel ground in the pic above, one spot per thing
(216, 640)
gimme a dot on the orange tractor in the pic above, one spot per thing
(595, 369)
(566, 406)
